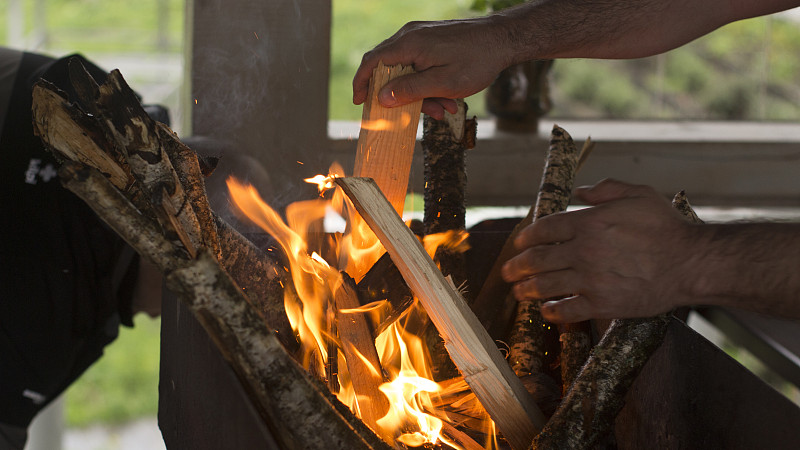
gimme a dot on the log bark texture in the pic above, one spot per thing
(587, 413)
(262, 278)
(444, 146)
(296, 407)
(133, 130)
(526, 352)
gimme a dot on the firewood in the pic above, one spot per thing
(554, 194)
(386, 140)
(495, 315)
(444, 145)
(133, 130)
(362, 359)
(473, 351)
(262, 278)
(384, 152)
(587, 412)
(111, 206)
(576, 343)
(299, 412)
(73, 134)
(187, 166)
(384, 282)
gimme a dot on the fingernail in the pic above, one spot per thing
(505, 272)
(387, 97)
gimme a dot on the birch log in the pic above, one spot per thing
(526, 352)
(444, 146)
(299, 413)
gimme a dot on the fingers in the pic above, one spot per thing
(547, 285)
(610, 189)
(568, 310)
(535, 260)
(547, 230)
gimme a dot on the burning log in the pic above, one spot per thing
(473, 351)
(588, 410)
(302, 415)
(384, 282)
(362, 359)
(261, 277)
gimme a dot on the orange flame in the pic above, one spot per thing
(402, 354)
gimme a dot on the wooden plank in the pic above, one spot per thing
(386, 140)
(494, 383)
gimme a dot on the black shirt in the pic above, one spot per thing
(65, 277)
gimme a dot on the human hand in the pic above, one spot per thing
(628, 256)
(452, 59)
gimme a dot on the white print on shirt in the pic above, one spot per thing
(34, 396)
(46, 174)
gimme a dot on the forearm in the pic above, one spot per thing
(752, 266)
(613, 29)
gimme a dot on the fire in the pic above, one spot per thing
(411, 392)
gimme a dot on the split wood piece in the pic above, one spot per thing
(387, 137)
(384, 153)
(384, 282)
(296, 409)
(444, 146)
(187, 166)
(587, 413)
(73, 134)
(362, 359)
(87, 92)
(526, 342)
(133, 130)
(486, 371)
(495, 315)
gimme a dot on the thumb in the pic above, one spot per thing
(608, 190)
(410, 88)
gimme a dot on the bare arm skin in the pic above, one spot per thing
(457, 58)
(632, 255)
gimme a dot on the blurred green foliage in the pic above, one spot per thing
(123, 384)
